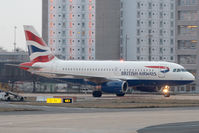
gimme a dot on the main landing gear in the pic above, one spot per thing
(97, 93)
(166, 91)
(120, 94)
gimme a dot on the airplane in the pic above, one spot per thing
(106, 76)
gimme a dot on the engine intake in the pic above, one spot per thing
(117, 87)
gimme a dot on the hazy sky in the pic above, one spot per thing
(18, 13)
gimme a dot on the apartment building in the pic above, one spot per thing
(82, 29)
(147, 30)
(187, 39)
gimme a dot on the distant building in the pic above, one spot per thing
(107, 44)
(147, 30)
(82, 29)
(187, 39)
(14, 56)
(21, 78)
(11, 73)
(69, 28)
(2, 50)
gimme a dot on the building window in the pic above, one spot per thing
(189, 30)
(171, 50)
(161, 23)
(122, 4)
(172, 24)
(188, 15)
(172, 6)
(138, 50)
(172, 15)
(121, 23)
(138, 5)
(121, 14)
(138, 41)
(138, 23)
(150, 5)
(161, 41)
(187, 2)
(161, 6)
(150, 14)
(150, 23)
(161, 15)
(138, 14)
(83, 7)
(83, 42)
(138, 32)
(187, 59)
(161, 51)
(187, 44)
(161, 32)
(172, 32)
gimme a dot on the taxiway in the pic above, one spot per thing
(93, 120)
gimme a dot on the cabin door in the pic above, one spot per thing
(162, 70)
(116, 71)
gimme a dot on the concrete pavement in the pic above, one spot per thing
(93, 121)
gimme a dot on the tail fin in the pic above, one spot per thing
(37, 48)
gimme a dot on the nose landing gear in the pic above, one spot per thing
(166, 91)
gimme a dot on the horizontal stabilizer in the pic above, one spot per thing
(15, 65)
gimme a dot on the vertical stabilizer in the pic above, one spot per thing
(38, 50)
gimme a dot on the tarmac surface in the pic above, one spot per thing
(98, 120)
(185, 127)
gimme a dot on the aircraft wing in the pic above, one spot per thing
(94, 78)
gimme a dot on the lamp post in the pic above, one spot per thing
(126, 45)
(15, 28)
(149, 42)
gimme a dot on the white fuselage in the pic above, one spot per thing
(121, 70)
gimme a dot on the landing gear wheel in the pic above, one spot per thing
(8, 99)
(97, 93)
(167, 95)
(21, 99)
(120, 94)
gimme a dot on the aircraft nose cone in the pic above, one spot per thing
(191, 77)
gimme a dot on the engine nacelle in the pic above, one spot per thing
(117, 87)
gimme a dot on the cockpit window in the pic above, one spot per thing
(183, 70)
(178, 70)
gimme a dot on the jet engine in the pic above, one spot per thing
(118, 87)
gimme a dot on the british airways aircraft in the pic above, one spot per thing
(107, 76)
